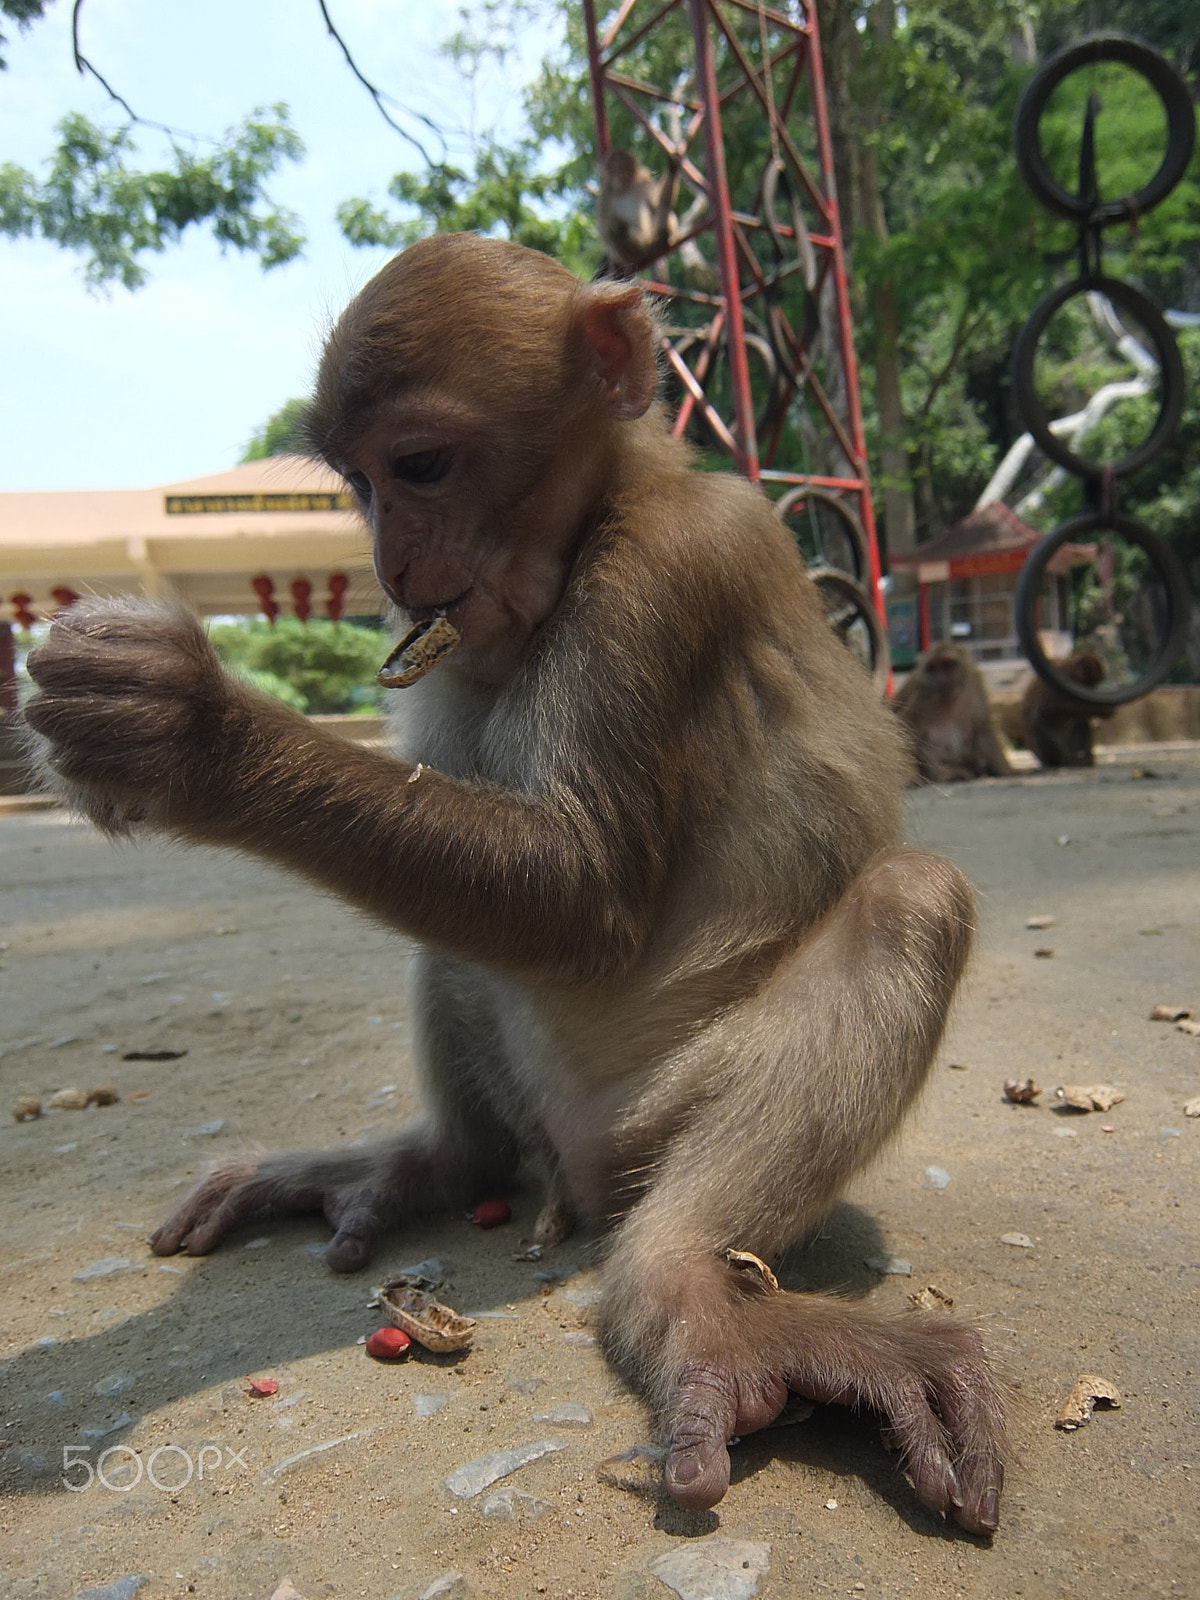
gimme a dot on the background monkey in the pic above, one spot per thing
(944, 705)
(635, 211)
(1057, 728)
(673, 955)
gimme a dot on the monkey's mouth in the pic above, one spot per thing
(424, 615)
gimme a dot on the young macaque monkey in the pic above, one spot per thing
(944, 706)
(643, 821)
(635, 212)
(1056, 727)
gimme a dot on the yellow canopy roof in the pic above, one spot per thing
(201, 541)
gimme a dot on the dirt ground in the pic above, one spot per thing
(289, 1015)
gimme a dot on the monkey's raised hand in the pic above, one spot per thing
(135, 711)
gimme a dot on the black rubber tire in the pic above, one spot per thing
(699, 430)
(1174, 581)
(852, 528)
(847, 603)
(1173, 379)
(1166, 83)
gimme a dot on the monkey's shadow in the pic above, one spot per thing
(312, 1311)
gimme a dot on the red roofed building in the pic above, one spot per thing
(966, 580)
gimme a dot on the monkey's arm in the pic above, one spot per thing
(141, 724)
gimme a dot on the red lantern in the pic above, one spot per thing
(335, 605)
(21, 603)
(265, 589)
(302, 595)
(65, 597)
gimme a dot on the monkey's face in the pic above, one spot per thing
(943, 671)
(458, 525)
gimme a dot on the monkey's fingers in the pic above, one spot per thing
(714, 1404)
(231, 1195)
(357, 1216)
(971, 1413)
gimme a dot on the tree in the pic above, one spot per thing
(281, 435)
(316, 666)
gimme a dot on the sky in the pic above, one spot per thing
(119, 389)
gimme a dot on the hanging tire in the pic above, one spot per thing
(1175, 593)
(852, 617)
(1173, 383)
(846, 550)
(1181, 129)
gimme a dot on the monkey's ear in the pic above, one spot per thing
(619, 334)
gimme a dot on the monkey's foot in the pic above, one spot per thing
(354, 1189)
(927, 1376)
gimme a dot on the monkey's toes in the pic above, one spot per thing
(713, 1405)
(349, 1251)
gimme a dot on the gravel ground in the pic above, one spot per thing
(289, 1017)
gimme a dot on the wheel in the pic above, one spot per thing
(1144, 639)
(1166, 83)
(717, 385)
(1173, 383)
(849, 612)
(826, 529)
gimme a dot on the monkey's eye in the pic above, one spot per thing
(422, 466)
(360, 484)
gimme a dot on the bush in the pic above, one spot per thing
(318, 666)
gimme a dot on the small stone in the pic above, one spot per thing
(1169, 1013)
(116, 1383)
(287, 1591)
(446, 1586)
(831, 1505)
(512, 1505)
(257, 1244)
(936, 1178)
(205, 1130)
(122, 1589)
(261, 1388)
(526, 1385)
(105, 1268)
(425, 1405)
(580, 1341)
(1187, 1025)
(58, 1397)
(65, 1038)
(1044, 953)
(1041, 920)
(1066, 1133)
(1020, 1241)
(1091, 1097)
(105, 1430)
(28, 1463)
(27, 1109)
(474, 1477)
(714, 1569)
(105, 1095)
(638, 1469)
(554, 1274)
(569, 1414)
(889, 1266)
(1192, 1108)
(1169, 1133)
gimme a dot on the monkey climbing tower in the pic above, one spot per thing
(757, 332)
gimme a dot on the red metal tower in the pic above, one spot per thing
(778, 299)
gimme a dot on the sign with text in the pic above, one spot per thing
(187, 505)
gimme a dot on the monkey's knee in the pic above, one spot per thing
(919, 910)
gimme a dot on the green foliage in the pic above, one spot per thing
(93, 201)
(281, 435)
(322, 667)
(22, 12)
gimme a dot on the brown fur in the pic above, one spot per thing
(673, 954)
(1056, 727)
(944, 706)
(635, 215)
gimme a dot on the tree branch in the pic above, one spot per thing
(378, 97)
(85, 67)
